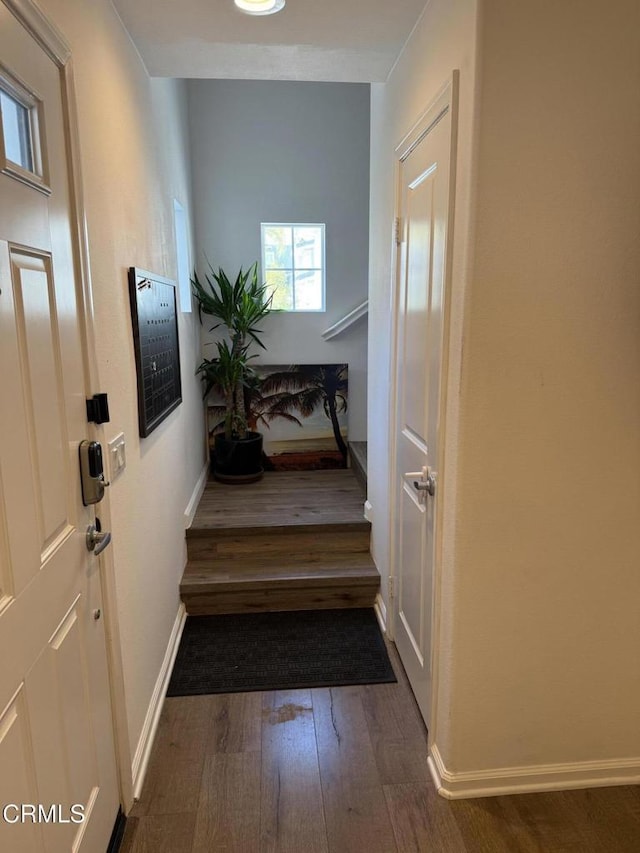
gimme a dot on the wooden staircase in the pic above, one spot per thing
(293, 541)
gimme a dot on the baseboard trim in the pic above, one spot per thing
(526, 780)
(194, 500)
(152, 719)
(381, 612)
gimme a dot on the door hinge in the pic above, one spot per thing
(391, 588)
(398, 230)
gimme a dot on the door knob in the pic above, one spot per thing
(428, 485)
(96, 539)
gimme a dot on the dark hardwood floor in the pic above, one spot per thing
(341, 770)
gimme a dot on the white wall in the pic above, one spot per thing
(133, 135)
(288, 152)
(539, 661)
(547, 645)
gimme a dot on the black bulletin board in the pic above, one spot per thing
(155, 338)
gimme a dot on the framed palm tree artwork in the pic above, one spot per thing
(302, 411)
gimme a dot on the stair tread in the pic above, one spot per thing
(348, 569)
(283, 499)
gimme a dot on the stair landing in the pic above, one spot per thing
(282, 499)
(293, 541)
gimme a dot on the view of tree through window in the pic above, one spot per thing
(293, 265)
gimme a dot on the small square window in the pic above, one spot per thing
(293, 265)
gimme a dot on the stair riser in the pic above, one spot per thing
(261, 601)
(331, 580)
(292, 548)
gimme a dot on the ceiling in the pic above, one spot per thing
(333, 40)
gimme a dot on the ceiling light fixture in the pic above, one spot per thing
(259, 7)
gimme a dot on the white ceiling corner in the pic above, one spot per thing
(353, 41)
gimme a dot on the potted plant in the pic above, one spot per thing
(240, 307)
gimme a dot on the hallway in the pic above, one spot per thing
(137, 135)
(341, 770)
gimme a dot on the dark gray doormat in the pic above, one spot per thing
(280, 651)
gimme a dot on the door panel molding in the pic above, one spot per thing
(38, 338)
(6, 568)
(16, 750)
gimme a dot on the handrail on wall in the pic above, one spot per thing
(347, 321)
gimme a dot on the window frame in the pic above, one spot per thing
(322, 270)
(38, 177)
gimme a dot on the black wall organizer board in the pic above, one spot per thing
(155, 339)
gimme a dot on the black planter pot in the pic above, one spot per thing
(238, 460)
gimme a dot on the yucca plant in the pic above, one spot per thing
(225, 374)
(239, 307)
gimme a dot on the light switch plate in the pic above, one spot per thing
(117, 456)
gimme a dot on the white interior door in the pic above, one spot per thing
(56, 732)
(424, 215)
